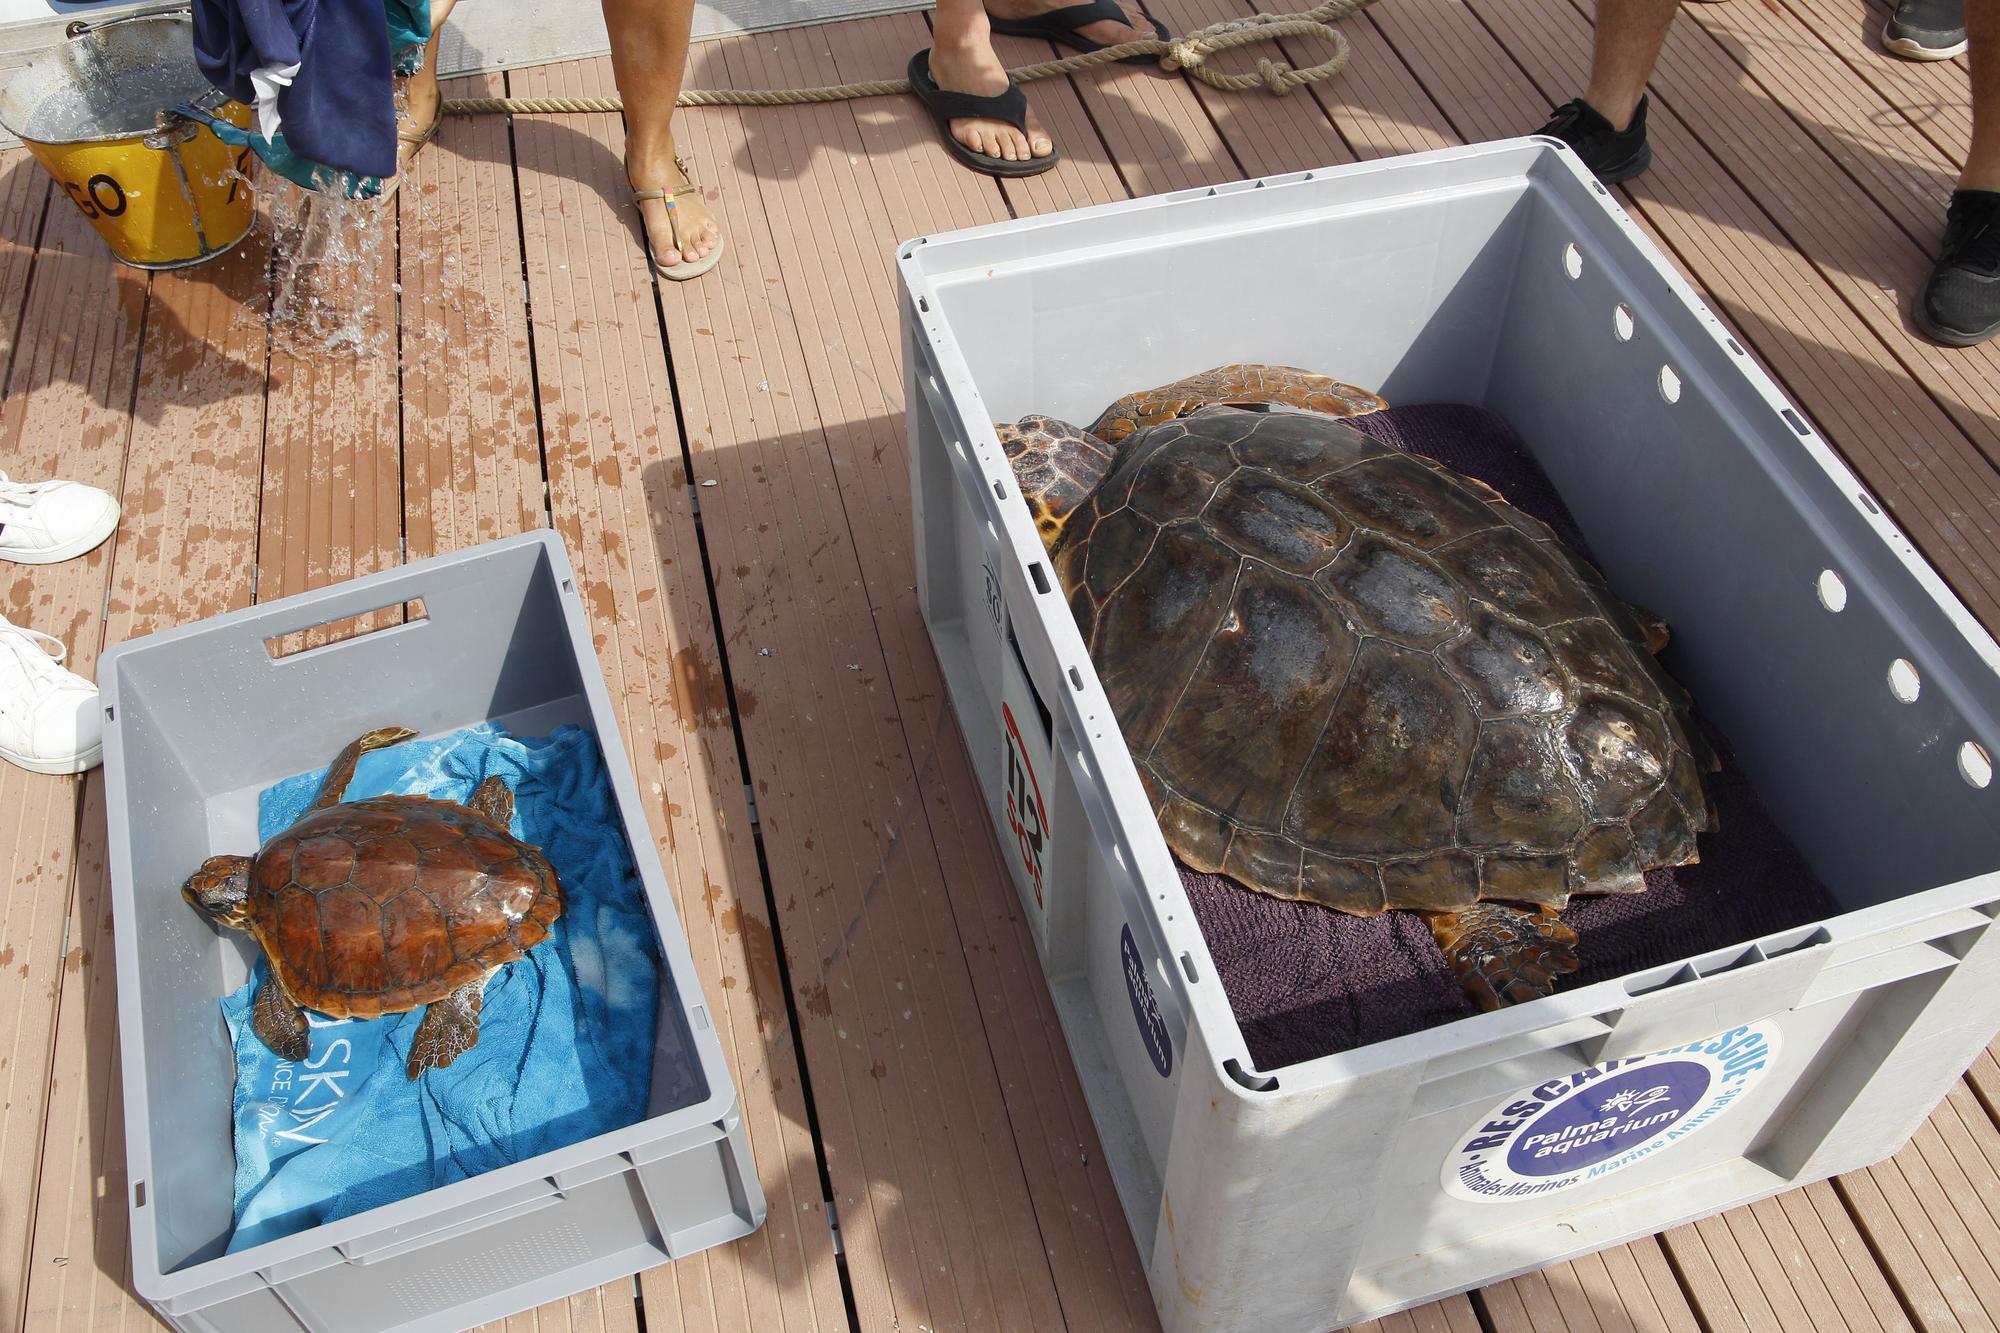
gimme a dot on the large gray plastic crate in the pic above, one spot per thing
(1331, 1191)
(198, 721)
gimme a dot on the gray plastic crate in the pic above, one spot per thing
(198, 721)
(1331, 1191)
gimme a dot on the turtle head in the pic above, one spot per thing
(220, 890)
(1057, 466)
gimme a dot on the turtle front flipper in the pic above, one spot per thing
(449, 1029)
(1502, 954)
(1287, 386)
(278, 1022)
(334, 789)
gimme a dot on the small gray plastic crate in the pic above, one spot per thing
(198, 721)
(1331, 1191)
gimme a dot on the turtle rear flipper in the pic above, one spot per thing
(449, 1029)
(1235, 385)
(333, 790)
(494, 799)
(1502, 954)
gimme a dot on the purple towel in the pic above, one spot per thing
(1307, 981)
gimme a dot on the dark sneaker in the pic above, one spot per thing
(1960, 305)
(1612, 155)
(1926, 29)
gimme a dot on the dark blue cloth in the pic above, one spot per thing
(339, 110)
(565, 1039)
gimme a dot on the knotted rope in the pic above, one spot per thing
(1190, 53)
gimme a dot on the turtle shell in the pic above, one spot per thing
(382, 905)
(1353, 676)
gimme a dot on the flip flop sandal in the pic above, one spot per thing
(1062, 26)
(418, 138)
(693, 268)
(945, 107)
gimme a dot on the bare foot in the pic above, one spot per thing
(973, 67)
(659, 169)
(1104, 32)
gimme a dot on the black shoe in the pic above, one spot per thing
(1926, 29)
(1960, 305)
(1613, 155)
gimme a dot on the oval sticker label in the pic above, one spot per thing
(1145, 1009)
(1572, 1130)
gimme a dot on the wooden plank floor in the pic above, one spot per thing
(902, 1073)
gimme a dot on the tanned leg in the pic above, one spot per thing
(649, 52)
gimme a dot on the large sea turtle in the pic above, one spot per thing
(1352, 676)
(374, 907)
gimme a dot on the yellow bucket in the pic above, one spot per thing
(162, 190)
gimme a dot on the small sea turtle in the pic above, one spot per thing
(374, 907)
(1351, 676)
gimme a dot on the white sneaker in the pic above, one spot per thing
(42, 522)
(49, 721)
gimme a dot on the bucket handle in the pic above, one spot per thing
(79, 27)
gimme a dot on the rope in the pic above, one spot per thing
(1189, 53)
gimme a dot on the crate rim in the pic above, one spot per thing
(1231, 1068)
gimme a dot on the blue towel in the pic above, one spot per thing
(338, 112)
(565, 1041)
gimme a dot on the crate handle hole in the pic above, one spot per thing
(1904, 682)
(1621, 322)
(1975, 765)
(1253, 1081)
(999, 491)
(1572, 261)
(1076, 678)
(345, 629)
(139, 1194)
(1187, 966)
(1040, 575)
(1735, 346)
(1832, 591)
(1795, 421)
(1670, 384)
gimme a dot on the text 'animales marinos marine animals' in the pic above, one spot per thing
(1352, 676)
(374, 907)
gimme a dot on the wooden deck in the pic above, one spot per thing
(895, 1048)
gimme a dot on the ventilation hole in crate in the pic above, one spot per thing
(1572, 260)
(1670, 384)
(1866, 503)
(1904, 682)
(568, 586)
(1599, 187)
(700, 1013)
(139, 1194)
(999, 490)
(1621, 322)
(1076, 678)
(1187, 966)
(1735, 346)
(110, 715)
(1832, 590)
(1974, 764)
(1793, 419)
(923, 304)
(1040, 575)
(1309, 175)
